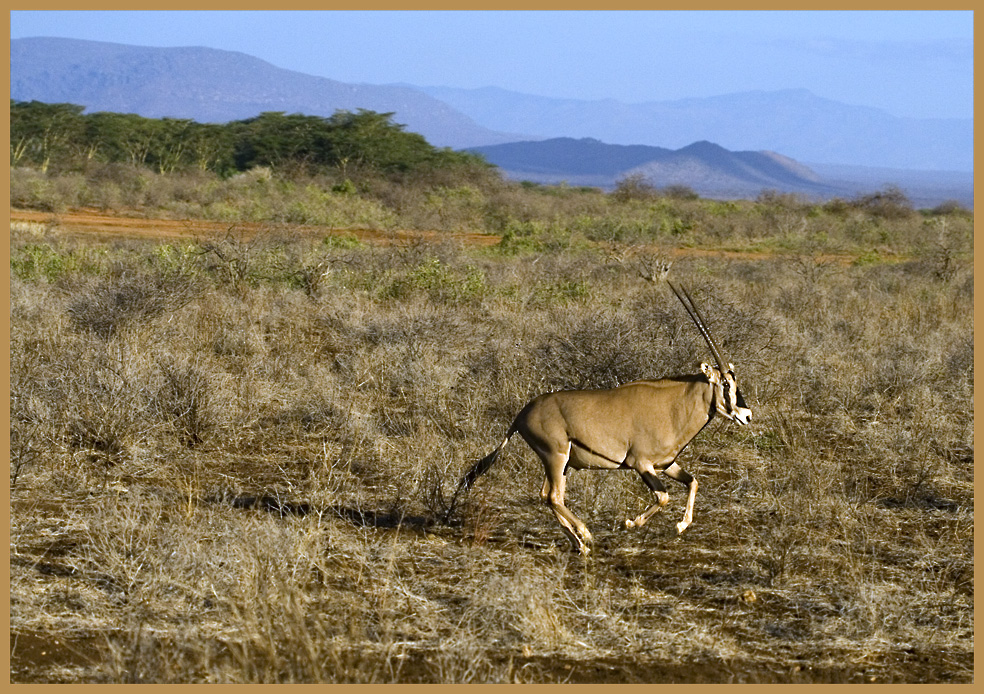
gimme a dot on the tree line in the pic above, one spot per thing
(61, 137)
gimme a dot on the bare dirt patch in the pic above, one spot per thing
(131, 224)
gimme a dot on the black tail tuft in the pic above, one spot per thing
(477, 470)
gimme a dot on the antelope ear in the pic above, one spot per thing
(709, 371)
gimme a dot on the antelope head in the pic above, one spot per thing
(728, 400)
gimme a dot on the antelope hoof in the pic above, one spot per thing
(630, 523)
(586, 540)
(681, 526)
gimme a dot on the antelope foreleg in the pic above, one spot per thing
(662, 498)
(677, 473)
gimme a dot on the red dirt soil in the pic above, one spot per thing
(130, 224)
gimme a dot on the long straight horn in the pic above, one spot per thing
(695, 316)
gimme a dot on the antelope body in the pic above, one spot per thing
(641, 426)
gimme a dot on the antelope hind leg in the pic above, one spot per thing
(554, 488)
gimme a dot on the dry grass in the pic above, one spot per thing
(223, 472)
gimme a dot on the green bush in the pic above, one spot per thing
(34, 261)
(440, 282)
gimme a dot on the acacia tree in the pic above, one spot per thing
(373, 140)
(124, 137)
(276, 140)
(40, 132)
(365, 139)
(209, 147)
(170, 143)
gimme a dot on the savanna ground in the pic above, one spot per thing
(231, 452)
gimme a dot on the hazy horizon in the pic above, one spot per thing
(910, 64)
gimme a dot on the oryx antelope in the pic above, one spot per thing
(641, 426)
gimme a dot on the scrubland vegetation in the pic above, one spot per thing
(231, 455)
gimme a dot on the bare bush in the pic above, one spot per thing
(634, 187)
(890, 203)
(107, 305)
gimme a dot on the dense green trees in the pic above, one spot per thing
(60, 136)
(40, 132)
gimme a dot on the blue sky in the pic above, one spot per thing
(917, 64)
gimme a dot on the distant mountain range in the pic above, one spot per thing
(668, 141)
(214, 86)
(713, 171)
(794, 122)
(704, 166)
